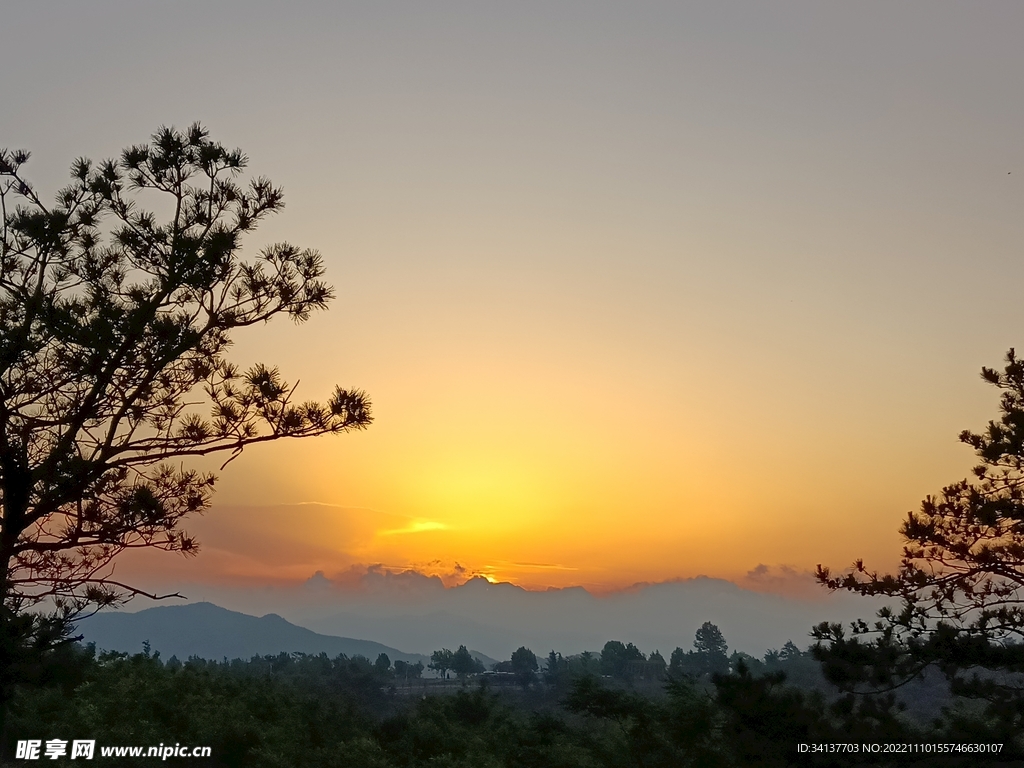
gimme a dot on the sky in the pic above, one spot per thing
(639, 291)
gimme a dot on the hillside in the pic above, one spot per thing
(212, 632)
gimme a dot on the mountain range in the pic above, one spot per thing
(419, 615)
(212, 632)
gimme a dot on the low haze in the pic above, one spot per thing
(417, 613)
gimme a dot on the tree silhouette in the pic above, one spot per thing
(658, 661)
(406, 671)
(556, 667)
(959, 583)
(441, 661)
(114, 328)
(789, 651)
(615, 658)
(710, 640)
(710, 654)
(524, 665)
(679, 664)
(711, 649)
(463, 663)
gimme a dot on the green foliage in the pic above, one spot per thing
(463, 664)
(406, 671)
(441, 661)
(295, 709)
(34, 649)
(270, 711)
(710, 645)
(615, 658)
(763, 720)
(524, 665)
(709, 657)
(556, 668)
(681, 732)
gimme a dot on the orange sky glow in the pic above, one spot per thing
(638, 292)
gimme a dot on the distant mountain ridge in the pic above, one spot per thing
(211, 632)
(499, 617)
(411, 611)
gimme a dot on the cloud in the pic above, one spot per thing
(545, 566)
(318, 582)
(783, 580)
(380, 578)
(383, 579)
(416, 526)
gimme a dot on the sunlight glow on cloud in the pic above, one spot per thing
(545, 566)
(417, 526)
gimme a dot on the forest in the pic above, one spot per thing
(616, 707)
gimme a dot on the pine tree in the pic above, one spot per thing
(958, 600)
(114, 329)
